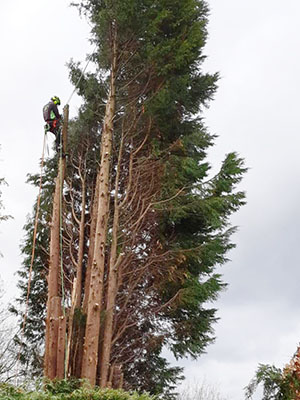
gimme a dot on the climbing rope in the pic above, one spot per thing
(33, 248)
(81, 75)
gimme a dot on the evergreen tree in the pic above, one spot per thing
(166, 223)
(277, 383)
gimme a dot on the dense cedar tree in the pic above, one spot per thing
(168, 220)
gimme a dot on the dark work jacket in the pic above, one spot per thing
(50, 111)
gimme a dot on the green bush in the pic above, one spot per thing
(63, 390)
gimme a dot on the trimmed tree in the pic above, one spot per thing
(144, 224)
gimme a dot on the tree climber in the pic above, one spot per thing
(53, 119)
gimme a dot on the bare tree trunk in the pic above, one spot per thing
(61, 340)
(54, 310)
(70, 327)
(77, 288)
(49, 369)
(91, 344)
(92, 239)
(111, 301)
(115, 260)
(112, 283)
(117, 377)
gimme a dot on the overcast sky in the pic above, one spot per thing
(255, 47)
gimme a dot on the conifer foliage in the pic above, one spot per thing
(145, 226)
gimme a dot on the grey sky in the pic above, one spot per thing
(255, 46)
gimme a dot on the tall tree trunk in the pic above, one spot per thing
(112, 283)
(77, 284)
(92, 239)
(91, 344)
(115, 260)
(61, 340)
(54, 310)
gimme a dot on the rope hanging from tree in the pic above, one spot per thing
(33, 246)
(81, 75)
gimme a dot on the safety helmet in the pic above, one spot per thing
(55, 100)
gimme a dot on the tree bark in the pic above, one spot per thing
(110, 307)
(77, 284)
(92, 239)
(91, 344)
(54, 310)
(115, 260)
(112, 284)
(61, 343)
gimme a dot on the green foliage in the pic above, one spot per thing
(65, 390)
(199, 223)
(277, 385)
(152, 373)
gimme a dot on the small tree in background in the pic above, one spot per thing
(278, 384)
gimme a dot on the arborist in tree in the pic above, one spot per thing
(53, 119)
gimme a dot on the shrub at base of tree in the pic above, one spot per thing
(64, 390)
